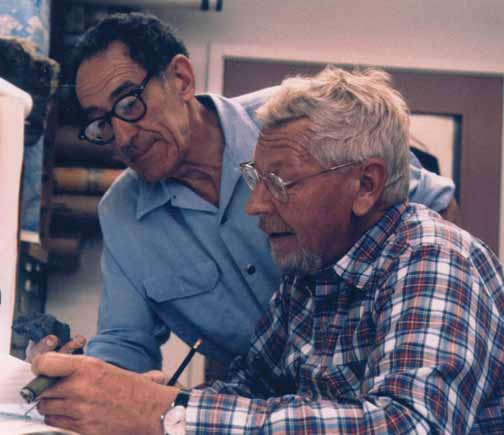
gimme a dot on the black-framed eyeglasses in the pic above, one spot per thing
(130, 108)
(275, 184)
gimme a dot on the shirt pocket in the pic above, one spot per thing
(187, 281)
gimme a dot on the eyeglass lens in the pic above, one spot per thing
(273, 182)
(130, 108)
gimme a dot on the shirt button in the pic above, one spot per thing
(250, 269)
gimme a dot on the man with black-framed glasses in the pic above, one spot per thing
(129, 108)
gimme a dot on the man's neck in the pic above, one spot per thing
(202, 168)
(360, 225)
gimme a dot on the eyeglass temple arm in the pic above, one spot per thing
(333, 168)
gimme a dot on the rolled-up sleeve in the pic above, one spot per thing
(128, 335)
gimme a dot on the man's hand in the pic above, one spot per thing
(160, 378)
(156, 376)
(96, 398)
(51, 342)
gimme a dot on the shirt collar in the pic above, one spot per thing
(358, 267)
(240, 137)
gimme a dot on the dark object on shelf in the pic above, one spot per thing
(36, 326)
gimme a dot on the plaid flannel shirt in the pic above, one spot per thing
(403, 335)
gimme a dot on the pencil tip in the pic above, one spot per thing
(198, 343)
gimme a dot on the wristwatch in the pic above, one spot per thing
(173, 420)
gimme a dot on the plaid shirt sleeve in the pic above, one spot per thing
(434, 357)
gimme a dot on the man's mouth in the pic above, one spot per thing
(137, 152)
(275, 230)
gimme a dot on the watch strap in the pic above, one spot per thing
(182, 398)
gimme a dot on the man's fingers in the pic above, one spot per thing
(62, 422)
(76, 343)
(50, 343)
(50, 406)
(160, 378)
(47, 344)
(56, 364)
(156, 376)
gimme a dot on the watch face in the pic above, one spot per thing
(174, 421)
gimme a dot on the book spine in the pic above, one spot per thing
(92, 181)
(75, 206)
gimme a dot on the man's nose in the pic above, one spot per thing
(260, 201)
(123, 131)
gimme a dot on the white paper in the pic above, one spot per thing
(12, 112)
(14, 375)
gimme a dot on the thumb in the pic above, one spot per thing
(156, 376)
(56, 364)
(47, 344)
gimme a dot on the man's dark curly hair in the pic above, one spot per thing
(151, 42)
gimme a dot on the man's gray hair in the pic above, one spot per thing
(355, 116)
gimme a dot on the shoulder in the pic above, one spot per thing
(434, 246)
(253, 100)
(421, 227)
(428, 258)
(435, 191)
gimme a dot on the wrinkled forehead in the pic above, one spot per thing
(101, 74)
(288, 140)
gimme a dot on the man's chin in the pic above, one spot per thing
(147, 176)
(153, 174)
(151, 178)
(297, 263)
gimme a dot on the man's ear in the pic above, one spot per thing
(374, 175)
(180, 75)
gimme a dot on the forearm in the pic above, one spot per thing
(130, 352)
(293, 414)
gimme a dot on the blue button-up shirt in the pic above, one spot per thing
(173, 261)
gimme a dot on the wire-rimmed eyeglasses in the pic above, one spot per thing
(275, 184)
(130, 108)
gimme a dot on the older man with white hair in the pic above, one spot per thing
(389, 319)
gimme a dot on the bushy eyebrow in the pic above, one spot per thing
(120, 90)
(125, 86)
(273, 167)
(88, 111)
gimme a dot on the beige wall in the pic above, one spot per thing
(441, 34)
